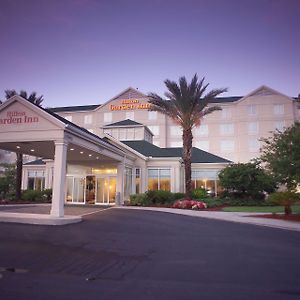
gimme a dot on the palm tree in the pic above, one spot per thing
(186, 104)
(33, 99)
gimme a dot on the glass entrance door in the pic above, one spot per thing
(106, 190)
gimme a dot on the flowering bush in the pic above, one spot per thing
(189, 204)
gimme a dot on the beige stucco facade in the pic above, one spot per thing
(233, 133)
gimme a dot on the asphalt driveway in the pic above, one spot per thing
(128, 254)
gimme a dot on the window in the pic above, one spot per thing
(278, 109)
(107, 117)
(227, 146)
(227, 129)
(88, 119)
(159, 179)
(154, 129)
(36, 180)
(129, 115)
(137, 181)
(152, 115)
(206, 179)
(176, 131)
(252, 127)
(202, 130)
(177, 144)
(279, 125)
(254, 145)
(203, 145)
(69, 118)
(251, 109)
(226, 113)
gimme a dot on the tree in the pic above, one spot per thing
(246, 179)
(281, 155)
(19, 163)
(186, 104)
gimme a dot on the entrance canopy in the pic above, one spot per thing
(29, 129)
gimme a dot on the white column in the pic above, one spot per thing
(120, 181)
(59, 179)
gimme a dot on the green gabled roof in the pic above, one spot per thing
(148, 149)
(38, 162)
(198, 155)
(74, 108)
(126, 122)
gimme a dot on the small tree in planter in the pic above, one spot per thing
(286, 199)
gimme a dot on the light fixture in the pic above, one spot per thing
(32, 150)
(90, 155)
(81, 152)
(18, 147)
(71, 149)
(97, 157)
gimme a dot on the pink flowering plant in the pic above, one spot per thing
(189, 204)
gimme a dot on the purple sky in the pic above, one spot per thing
(78, 52)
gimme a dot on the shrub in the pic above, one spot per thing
(286, 199)
(177, 196)
(32, 195)
(199, 193)
(160, 197)
(47, 194)
(139, 200)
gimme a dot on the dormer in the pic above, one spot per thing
(128, 130)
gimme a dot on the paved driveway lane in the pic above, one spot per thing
(149, 255)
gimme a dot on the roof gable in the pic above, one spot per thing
(264, 91)
(126, 122)
(129, 93)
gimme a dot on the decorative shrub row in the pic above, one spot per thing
(37, 196)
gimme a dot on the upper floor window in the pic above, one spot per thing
(227, 128)
(251, 109)
(226, 112)
(202, 130)
(107, 117)
(279, 125)
(152, 115)
(252, 127)
(176, 130)
(254, 145)
(227, 145)
(129, 115)
(88, 119)
(154, 129)
(203, 145)
(69, 118)
(278, 109)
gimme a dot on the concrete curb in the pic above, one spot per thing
(237, 217)
(37, 219)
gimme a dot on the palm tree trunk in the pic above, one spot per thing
(19, 175)
(187, 137)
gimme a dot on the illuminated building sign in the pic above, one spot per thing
(15, 117)
(130, 104)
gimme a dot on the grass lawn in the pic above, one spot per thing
(266, 209)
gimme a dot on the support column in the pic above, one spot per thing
(120, 182)
(59, 179)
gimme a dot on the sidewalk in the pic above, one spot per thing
(39, 214)
(238, 217)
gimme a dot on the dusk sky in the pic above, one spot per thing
(77, 52)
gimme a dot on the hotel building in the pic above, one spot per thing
(100, 154)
